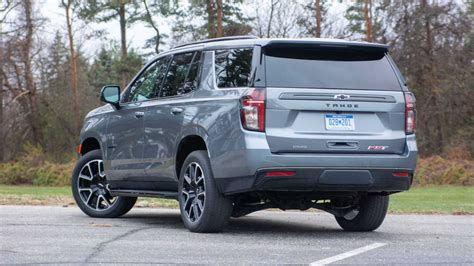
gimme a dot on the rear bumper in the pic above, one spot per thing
(319, 179)
(244, 170)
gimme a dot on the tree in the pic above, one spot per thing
(219, 19)
(5, 8)
(313, 20)
(68, 6)
(17, 68)
(232, 19)
(210, 18)
(160, 9)
(277, 18)
(317, 6)
(431, 44)
(366, 18)
(105, 69)
(127, 12)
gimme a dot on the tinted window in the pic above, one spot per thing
(329, 68)
(146, 85)
(176, 75)
(193, 75)
(162, 67)
(233, 67)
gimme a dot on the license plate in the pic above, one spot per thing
(339, 122)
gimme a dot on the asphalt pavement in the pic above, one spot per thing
(59, 235)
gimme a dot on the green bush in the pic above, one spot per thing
(32, 168)
(437, 170)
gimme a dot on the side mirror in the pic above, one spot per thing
(111, 94)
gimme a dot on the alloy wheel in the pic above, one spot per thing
(93, 187)
(193, 192)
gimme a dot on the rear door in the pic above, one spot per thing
(164, 118)
(333, 99)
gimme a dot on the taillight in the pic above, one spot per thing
(252, 110)
(401, 174)
(410, 113)
(279, 173)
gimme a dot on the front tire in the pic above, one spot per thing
(91, 192)
(368, 216)
(203, 208)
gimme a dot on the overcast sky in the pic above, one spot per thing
(136, 35)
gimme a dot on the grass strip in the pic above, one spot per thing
(425, 200)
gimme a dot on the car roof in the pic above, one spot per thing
(242, 41)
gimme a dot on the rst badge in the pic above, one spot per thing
(377, 148)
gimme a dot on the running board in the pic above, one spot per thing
(144, 193)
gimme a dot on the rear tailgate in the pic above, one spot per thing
(333, 100)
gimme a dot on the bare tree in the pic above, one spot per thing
(317, 6)
(368, 19)
(151, 22)
(123, 42)
(18, 70)
(277, 18)
(210, 19)
(219, 19)
(67, 5)
(7, 6)
(270, 18)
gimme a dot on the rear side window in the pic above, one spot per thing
(232, 67)
(177, 72)
(192, 79)
(331, 68)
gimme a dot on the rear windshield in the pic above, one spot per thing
(334, 68)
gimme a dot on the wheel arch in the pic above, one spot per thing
(187, 145)
(89, 144)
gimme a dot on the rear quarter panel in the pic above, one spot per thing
(214, 115)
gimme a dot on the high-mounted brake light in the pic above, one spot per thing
(410, 113)
(252, 110)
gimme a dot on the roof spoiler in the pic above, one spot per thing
(362, 46)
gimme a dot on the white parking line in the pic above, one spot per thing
(347, 254)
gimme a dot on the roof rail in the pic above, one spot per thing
(229, 38)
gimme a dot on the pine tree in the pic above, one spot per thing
(367, 20)
(232, 18)
(127, 12)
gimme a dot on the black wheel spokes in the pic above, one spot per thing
(93, 188)
(193, 191)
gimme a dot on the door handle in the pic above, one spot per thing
(176, 110)
(139, 114)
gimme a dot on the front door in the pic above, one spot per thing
(125, 132)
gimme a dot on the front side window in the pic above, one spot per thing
(176, 75)
(146, 85)
(233, 67)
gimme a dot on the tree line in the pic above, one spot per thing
(49, 84)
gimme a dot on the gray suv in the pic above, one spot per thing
(234, 125)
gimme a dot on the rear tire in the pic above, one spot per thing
(90, 189)
(371, 213)
(203, 208)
